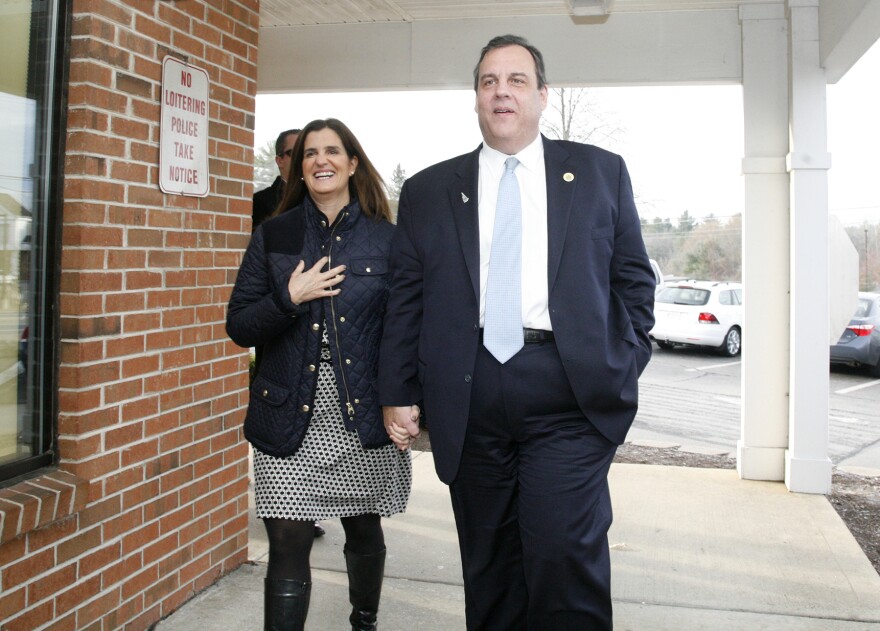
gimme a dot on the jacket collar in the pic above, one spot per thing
(344, 221)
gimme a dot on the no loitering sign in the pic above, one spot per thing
(183, 130)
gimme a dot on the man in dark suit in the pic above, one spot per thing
(524, 437)
(266, 201)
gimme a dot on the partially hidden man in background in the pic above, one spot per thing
(311, 290)
(521, 300)
(267, 200)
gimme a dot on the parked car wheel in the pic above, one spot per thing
(732, 343)
(666, 346)
(874, 370)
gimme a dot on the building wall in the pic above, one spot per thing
(148, 504)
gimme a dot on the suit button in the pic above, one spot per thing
(305, 408)
(342, 318)
(338, 238)
(348, 361)
(311, 368)
(476, 327)
(265, 393)
(357, 400)
(316, 326)
(467, 378)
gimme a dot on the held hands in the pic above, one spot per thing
(402, 425)
(313, 283)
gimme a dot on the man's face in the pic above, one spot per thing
(509, 102)
(283, 161)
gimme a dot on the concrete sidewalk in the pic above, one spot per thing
(692, 549)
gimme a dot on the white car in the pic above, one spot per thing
(699, 313)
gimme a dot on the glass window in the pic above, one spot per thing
(682, 296)
(29, 36)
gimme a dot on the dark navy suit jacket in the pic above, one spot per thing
(601, 292)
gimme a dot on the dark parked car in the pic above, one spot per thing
(860, 343)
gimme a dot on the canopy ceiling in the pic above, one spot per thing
(348, 45)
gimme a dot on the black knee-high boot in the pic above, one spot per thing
(286, 604)
(365, 573)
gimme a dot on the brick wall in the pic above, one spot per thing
(149, 503)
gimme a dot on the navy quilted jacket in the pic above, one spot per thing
(261, 314)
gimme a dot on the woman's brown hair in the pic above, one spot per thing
(366, 185)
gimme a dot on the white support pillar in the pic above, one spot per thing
(807, 466)
(765, 259)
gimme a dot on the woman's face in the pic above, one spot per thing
(326, 166)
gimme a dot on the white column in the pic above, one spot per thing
(807, 466)
(765, 259)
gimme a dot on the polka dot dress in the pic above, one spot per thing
(331, 475)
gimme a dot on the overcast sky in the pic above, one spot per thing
(683, 145)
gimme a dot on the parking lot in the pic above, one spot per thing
(692, 397)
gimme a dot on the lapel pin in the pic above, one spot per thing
(568, 177)
(464, 198)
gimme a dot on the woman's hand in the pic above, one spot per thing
(313, 283)
(401, 425)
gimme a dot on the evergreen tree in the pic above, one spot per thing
(396, 183)
(265, 169)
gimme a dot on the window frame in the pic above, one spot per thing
(49, 47)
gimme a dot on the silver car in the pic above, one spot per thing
(860, 343)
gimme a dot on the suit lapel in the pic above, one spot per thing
(465, 212)
(561, 182)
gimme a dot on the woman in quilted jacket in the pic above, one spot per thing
(311, 291)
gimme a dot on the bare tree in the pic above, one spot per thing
(575, 114)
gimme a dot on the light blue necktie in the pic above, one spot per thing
(502, 325)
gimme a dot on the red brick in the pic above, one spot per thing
(80, 447)
(81, 591)
(126, 301)
(12, 603)
(26, 569)
(130, 171)
(141, 322)
(141, 408)
(123, 391)
(84, 541)
(129, 345)
(142, 365)
(128, 216)
(30, 619)
(139, 582)
(95, 609)
(148, 238)
(140, 452)
(95, 467)
(82, 423)
(99, 558)
(93, 236)
(124, 435)
(79, 164)
(80, 401)
(116, 572)
(86, 71)
(53, 583)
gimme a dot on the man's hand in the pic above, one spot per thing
(305, 285)
(402, 425)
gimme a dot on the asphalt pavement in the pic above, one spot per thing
(691, 549)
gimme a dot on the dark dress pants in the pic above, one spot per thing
(531, 501)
